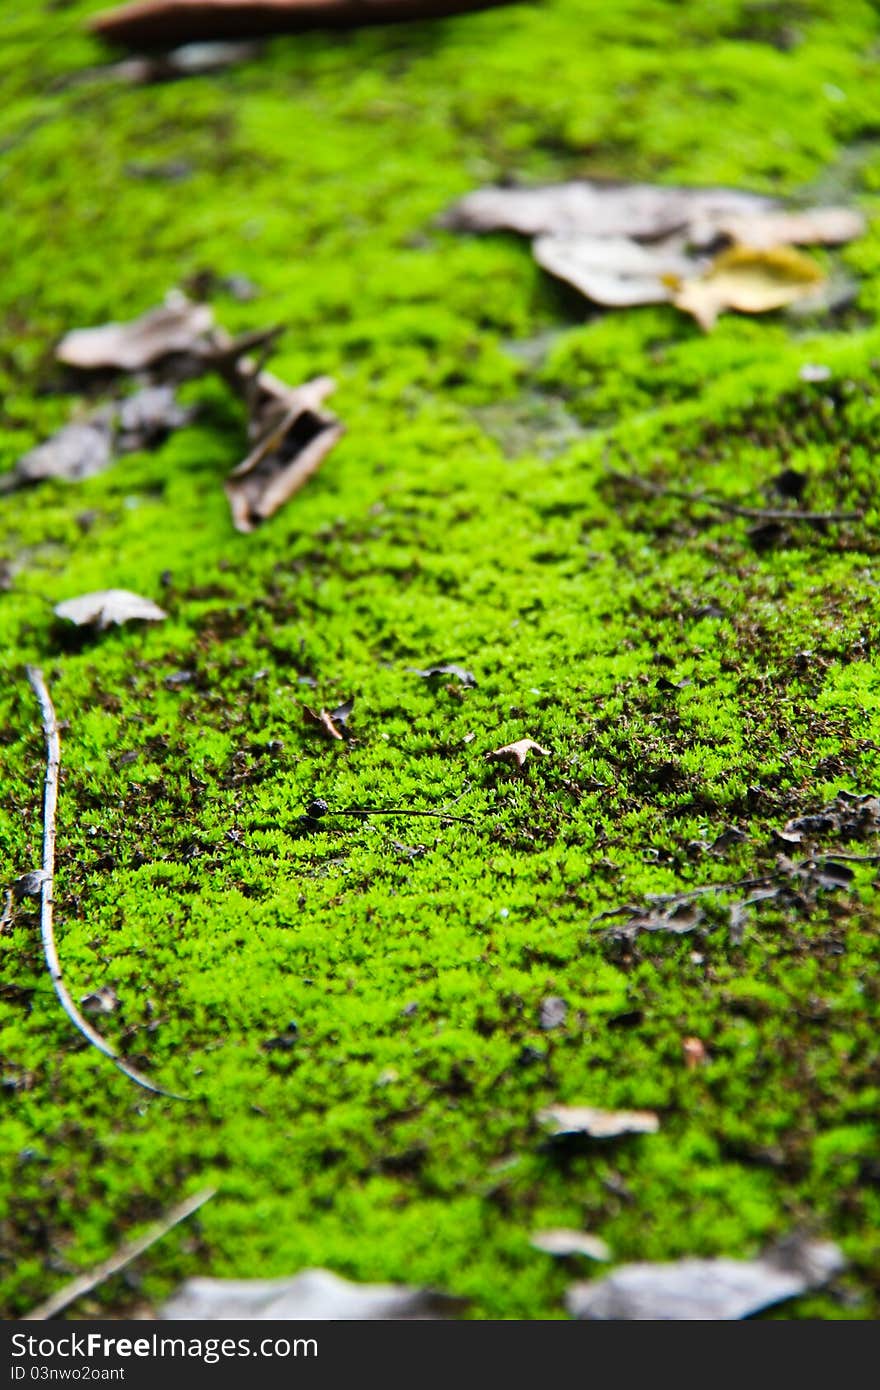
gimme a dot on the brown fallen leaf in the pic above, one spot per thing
(751, 281)
(563, 1242)
(813, 227)
(177, 326)
(639, 211)
(518, 752)
(597, 1124)
(703, 1290)
(616, 271)
(109, 606)
(161, 23)
(315, 1294)
(294, 436)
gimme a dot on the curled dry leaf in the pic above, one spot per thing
(101, 1001)
(563, 1242)
(751, 281)
(109, 606)
(518, 752)
(597, 1124)
(293, 437)
(645, 212)
(177, 326)
(314, 1294)
(615, 271)
(717, 1290)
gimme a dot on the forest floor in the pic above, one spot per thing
(358, 1008)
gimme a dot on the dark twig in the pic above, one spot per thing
(84, 1283)
(720, 504)
(50, 951)
(318, 809)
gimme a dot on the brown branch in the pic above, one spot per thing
(47, 931)
(720, 504)
(84, 1283)
(164, 23)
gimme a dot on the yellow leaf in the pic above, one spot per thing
(747, 279)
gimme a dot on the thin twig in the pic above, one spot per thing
(720, 504)
(398, 811)
(84, 1283)
(50, 950)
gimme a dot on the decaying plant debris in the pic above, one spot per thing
(289, 429)
(109, 608)
(717, 1290)
(702, 250)
(313, 1294)
(162, 23)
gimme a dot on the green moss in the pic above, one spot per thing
(467, 516)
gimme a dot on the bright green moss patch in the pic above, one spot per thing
(355, 1006)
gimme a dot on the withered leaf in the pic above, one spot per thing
(109, 606)
(700, 1290)
(466, 678)
(850, 815)
(813, 227)
(329, 721)
(615, 271)
(314, 1294)
(177, 326)
(750, 281)
(29, 885)
(641, 211)
(564, 1242)
(518, 752)
(78, 450)
(294, 436)
(597, 1124)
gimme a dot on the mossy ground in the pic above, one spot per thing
(467, 516)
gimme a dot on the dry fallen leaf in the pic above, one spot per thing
(315, 1294)
(466, 678)
(750, 281)
(518, 752)
(813, 227)
(293, 436)
(563, 1242)
(177, 326)
(328, 721)
(616, 271)
(107, 607)
(638, 210)
(597, 1124)
(77, 451)
(717, 1290)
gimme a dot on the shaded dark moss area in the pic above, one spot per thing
(355, 1004)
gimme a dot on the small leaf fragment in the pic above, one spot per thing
(597, 1124)
(518, 752)
(563, 1242)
